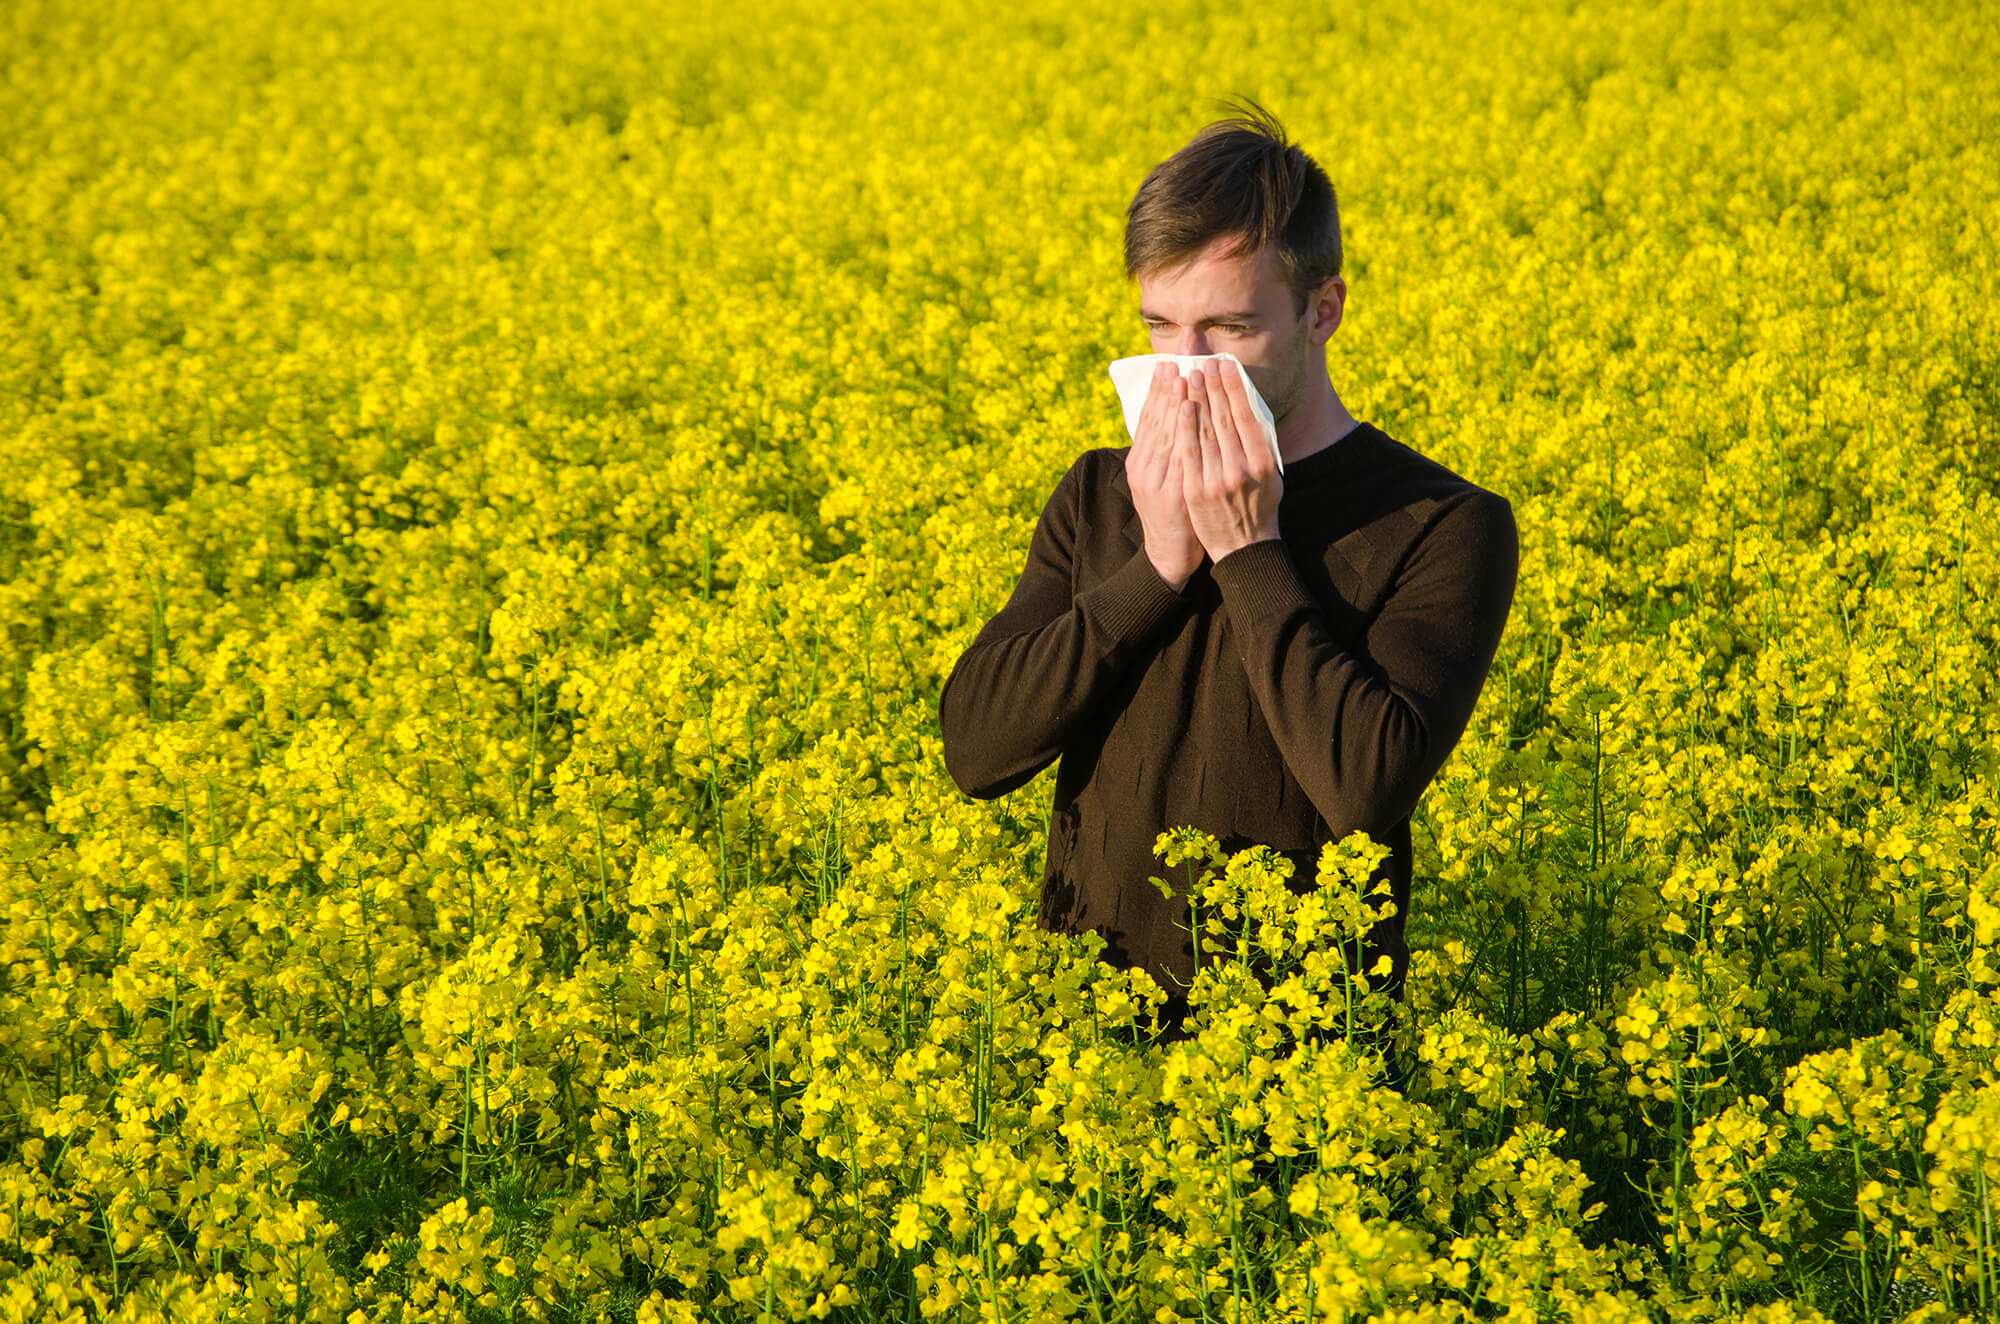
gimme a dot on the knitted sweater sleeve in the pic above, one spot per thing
(1047, 661)
(1364, 735)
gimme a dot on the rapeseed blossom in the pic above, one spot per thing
(492, 498)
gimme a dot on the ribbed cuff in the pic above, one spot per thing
(1133, 601)
(1258, 580)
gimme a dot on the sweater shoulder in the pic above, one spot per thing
(1077, 488)
(1099, 467)
(1088, 503)
(1410, 474)
(1385, 511)
(1095, 482)
(1430, 498)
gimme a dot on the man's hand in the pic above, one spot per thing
(1229, 477)
(1154, 472)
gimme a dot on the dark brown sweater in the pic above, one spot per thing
(1290, 694)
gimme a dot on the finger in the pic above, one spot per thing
(1159, 402)
(1249, 428)
(1216, 464)
(1187, 441)
(1162, 418)
(1149, 409)
(1221, 414)
(1187, 457)
(1174, 399)
(1155, 414)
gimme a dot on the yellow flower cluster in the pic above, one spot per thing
(492, 497)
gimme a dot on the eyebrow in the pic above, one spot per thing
(1219, 317)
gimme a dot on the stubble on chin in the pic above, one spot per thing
(1283, 404)
(1285, 399)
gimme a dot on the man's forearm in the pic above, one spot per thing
(1042, 668)
(1364, 735)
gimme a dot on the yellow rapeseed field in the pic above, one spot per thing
(491, 495)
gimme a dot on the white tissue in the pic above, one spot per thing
(1134, 379)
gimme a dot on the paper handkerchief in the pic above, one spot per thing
(1134, 379)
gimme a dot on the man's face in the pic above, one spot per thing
(1237, 304)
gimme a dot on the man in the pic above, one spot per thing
(1276, 658)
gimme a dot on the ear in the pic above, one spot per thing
(1324, 309)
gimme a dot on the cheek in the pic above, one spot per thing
(1267, 353)
(1276, 377)
(1264, 357)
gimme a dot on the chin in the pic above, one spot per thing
(1281, 405)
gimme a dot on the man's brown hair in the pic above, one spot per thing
(1238, 176)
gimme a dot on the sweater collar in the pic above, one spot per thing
(1331, 459)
